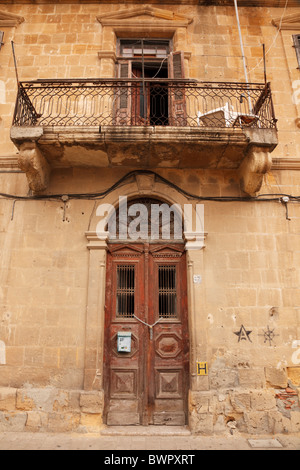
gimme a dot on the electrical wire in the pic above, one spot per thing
(151, 67)
(160, 66)
(131, 174)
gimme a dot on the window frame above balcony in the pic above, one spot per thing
(148, 22)
(150, 102)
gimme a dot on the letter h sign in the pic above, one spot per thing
(202, 368)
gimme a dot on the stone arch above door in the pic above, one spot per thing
(147, 219)
(148, 185)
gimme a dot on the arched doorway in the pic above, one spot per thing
(146, 344)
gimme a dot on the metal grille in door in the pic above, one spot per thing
(167, 291)
(125, 291)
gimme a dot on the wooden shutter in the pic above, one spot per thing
(296, 39)
(176, 65)
(1, 38)
(177, 104)
(123, 102)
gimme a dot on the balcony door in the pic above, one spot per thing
(149, 98)
(146, 356)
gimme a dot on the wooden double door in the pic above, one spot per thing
(146, 307)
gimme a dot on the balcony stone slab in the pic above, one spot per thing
(246, 150)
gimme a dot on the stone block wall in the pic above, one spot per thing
(50, 410)
(253, 408)
(222, 411)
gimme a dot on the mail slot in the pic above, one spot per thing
(124, 341)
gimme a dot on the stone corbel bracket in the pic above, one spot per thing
(253, 168)
(31, 160)
(258, 160)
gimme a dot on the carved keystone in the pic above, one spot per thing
(35, 166)
(145, 182)
(253, 168)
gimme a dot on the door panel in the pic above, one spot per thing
(170, 346)
(123, 380)
(146, 296)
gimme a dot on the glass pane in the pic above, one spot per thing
(152, 47)
(125, 291)
(167, 291)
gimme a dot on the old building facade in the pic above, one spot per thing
(149, 215)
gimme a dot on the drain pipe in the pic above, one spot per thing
(243, 54)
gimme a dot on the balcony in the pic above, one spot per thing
(144, 124)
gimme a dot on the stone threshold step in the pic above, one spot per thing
(146, 431)
(265, 443)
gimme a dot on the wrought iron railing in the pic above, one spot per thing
(156, 102)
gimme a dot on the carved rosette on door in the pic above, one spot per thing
(146, 302)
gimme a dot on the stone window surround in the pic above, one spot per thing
(152, 23)
(10, 20)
